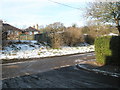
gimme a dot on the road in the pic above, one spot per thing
(40, 65)
(57, 72)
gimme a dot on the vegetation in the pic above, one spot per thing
(105, 12)
(107, 50)
(73, 36)
(104, 16)
(60, 35)
(54, 30)
(94, 29)
(102, 49)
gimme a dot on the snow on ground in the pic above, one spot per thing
(111, 34)
(97, 70)
(36, 50)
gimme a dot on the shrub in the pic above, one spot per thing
(85, 30)
(73, 36)
(56, 40)
(107, 50)
(89, 39)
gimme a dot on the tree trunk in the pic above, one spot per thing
(118, 27)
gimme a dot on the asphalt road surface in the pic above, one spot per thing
(57, 72)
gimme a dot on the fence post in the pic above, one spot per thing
(1, 34)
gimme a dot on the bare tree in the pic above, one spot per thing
(106, 12)
(72, 36)
(55, 31)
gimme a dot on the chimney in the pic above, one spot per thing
(36, 26)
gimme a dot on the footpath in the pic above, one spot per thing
(105, 69)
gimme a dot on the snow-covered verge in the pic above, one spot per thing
(37, 50)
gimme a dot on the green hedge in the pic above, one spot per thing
(107, 50)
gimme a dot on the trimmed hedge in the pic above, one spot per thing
(107, 49)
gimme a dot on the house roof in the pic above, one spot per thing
(31, 29)
(10, 27)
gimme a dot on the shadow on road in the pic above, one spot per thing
(66, 77)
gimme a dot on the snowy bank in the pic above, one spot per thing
(37, 50)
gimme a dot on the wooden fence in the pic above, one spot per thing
(26, 37)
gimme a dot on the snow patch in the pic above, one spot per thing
(113, 34)
(37, 50)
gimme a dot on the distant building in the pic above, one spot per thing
(11, 31)
(8, 32)
(31, 31)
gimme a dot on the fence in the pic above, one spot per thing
(43, 38)
(26, 37)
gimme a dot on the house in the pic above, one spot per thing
(11, 31)
(31, 31)
(8, 32)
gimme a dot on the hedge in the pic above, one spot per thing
(107, 49)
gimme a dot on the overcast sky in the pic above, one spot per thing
(24, 13)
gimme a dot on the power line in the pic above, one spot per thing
(64, 5)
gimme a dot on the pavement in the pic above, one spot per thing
(108, 70)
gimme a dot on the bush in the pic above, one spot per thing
(89, 39)
(107, 50)
(56, 40)
(73, 36)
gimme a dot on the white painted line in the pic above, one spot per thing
(19, 62)
(77, 55)
(65, 66)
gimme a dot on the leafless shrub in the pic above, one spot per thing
(56, 40)
(72, 36)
